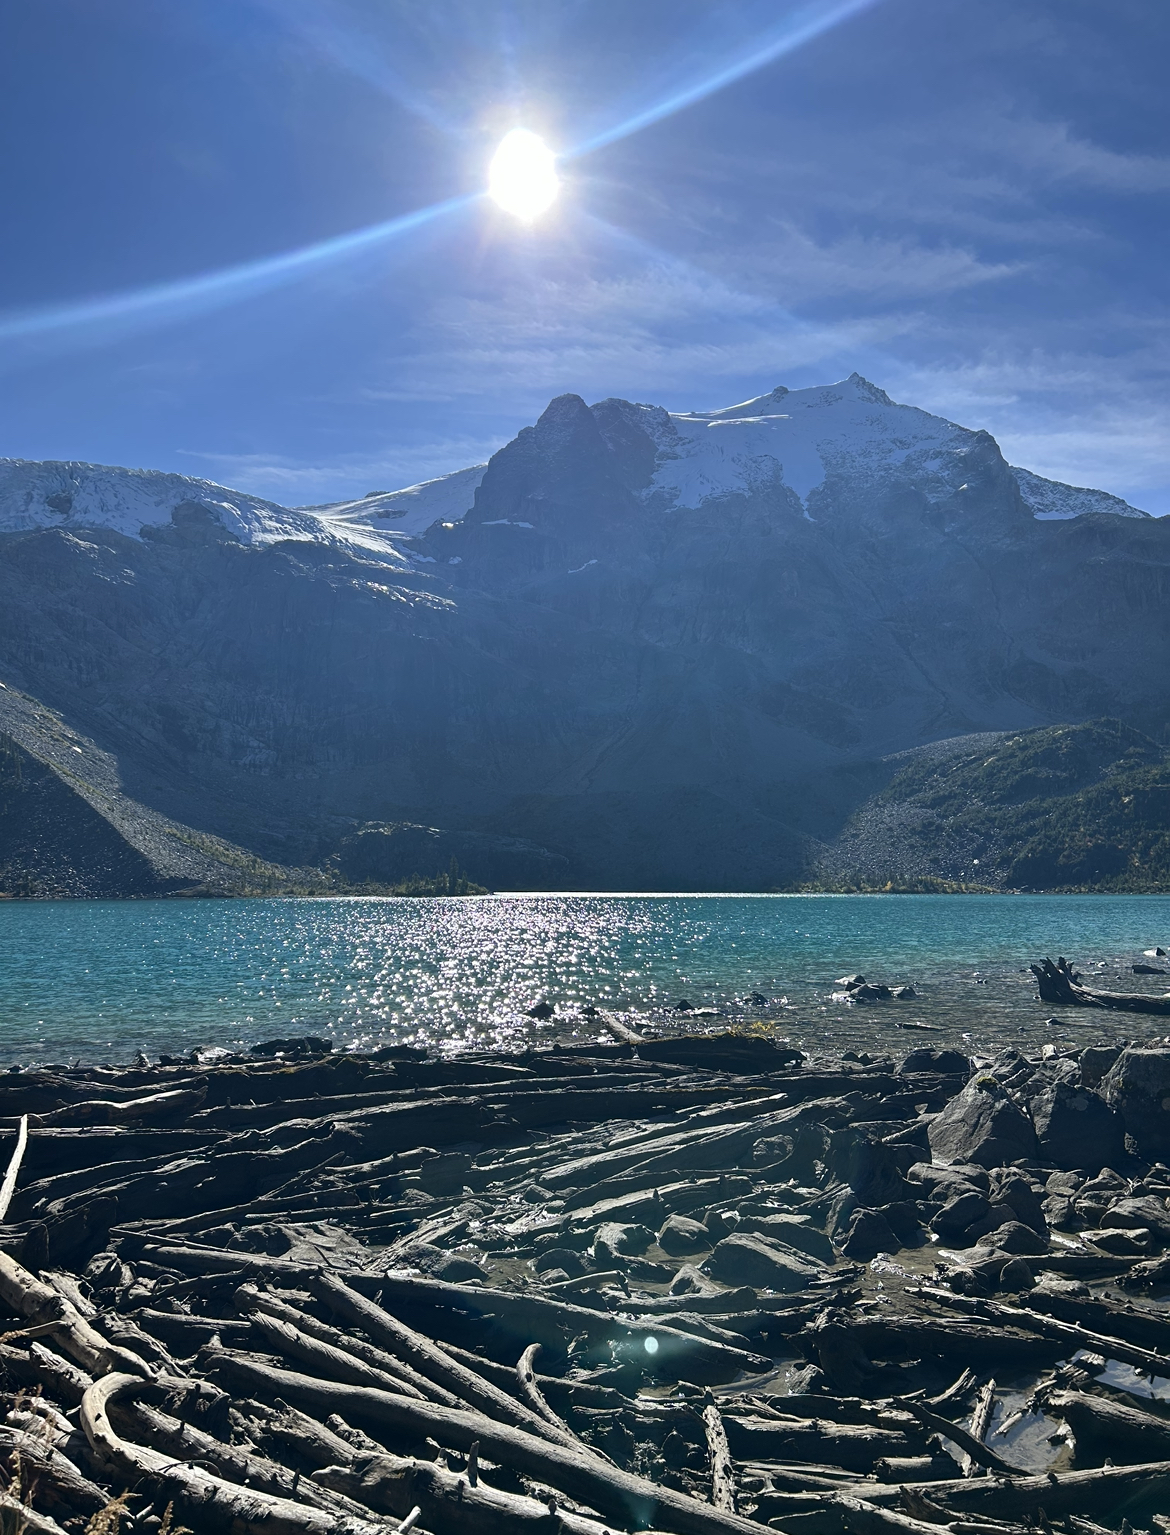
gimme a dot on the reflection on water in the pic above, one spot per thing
(99, 980)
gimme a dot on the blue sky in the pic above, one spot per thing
(966, 202)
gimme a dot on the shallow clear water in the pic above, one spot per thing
(101, 979)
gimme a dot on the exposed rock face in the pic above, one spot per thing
(1138, 1087)
(982, 1124)
(659, 651)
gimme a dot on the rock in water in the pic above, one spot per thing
(1138, 1087)
(982, 1124)
(1076, 1128)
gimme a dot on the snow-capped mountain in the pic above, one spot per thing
(669, 649)
(796, 438)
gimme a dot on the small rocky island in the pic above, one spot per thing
(697, 1285)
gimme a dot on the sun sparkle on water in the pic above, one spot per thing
(522, 177)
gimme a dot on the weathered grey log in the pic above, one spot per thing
(1052, 1327)
(980, 1422)
(719, 1454)
(8, 1187)
(185, 1442)
(616, 1494)
(22, 1517)
(1057, 986)
(861, 1518)
(451, 1502)
(1111, 1490)
(61, 1486)
(972, 1446)
(1105, 1428)
(431, 1360)
(207, 1499)
(39, 1303)
(410, 1382)
(332, 1362)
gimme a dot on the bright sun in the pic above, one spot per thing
(522, 177)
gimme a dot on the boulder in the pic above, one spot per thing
(1147, 1210)
(615, 1240)
(1015, 1237)
(1012, 1189)
(958, 1214)
(454, 1268)
(563, 1258)
(1076, 1128)
(1127, 1242)
(1137, 1086)
(680, 1236)
(1016, 1275)
(868, 1234)
(872, 1169)
(948, 1063)
(746, 1259)
(943, 1183)
(981, 1124)
(1095, 1061)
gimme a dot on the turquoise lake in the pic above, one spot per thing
(99, 980)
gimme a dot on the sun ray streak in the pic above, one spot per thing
(193, 295)
(800, 27)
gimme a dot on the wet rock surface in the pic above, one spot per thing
(694, 1286)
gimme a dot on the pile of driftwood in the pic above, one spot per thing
(695, 1285)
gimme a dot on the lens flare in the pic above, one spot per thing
(522, 177)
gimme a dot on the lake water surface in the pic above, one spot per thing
(98, 980)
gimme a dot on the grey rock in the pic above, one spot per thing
(981, 1124)
(1076, 1128)
(1095, 1061)
(946, 1062)
(1125, 1242)
(614, 1240)
(1059, 1212)
(1013, 1191)
(869, 1233)
(1016, 1275)
(455, 1268)
(559, 1258)
(903, 993)
(744, 1259)
(680, 1236)
(770, 1150)
(1015, 1237)
(1147, 1210)
(958, 1214)
(1138, 1087)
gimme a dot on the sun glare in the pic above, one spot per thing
(522, 177)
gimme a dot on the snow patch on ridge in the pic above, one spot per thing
(1050, 501)
(447, 498)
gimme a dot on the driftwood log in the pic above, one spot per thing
(1060, 986)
